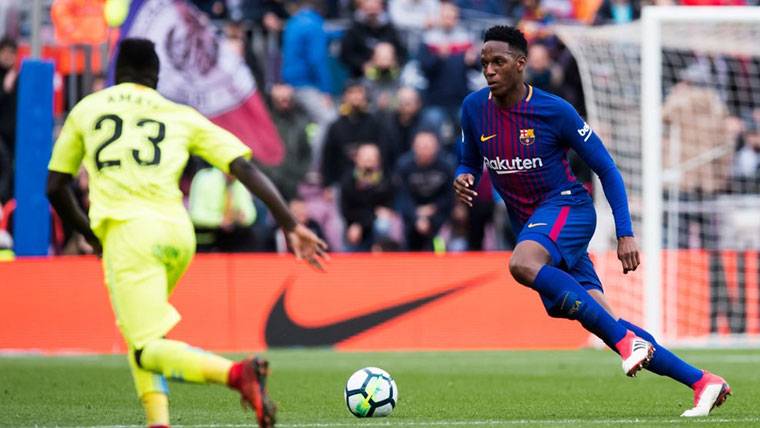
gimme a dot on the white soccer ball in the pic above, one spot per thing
(371, 392)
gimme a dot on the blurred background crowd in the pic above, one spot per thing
(365, 95)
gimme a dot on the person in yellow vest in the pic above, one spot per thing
(222, 212)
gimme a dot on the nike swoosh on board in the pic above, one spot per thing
(282, 330)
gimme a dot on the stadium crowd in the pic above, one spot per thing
(365, 95)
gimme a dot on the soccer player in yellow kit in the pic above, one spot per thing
(134, 144)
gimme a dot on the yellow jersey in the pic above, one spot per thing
(134, 144)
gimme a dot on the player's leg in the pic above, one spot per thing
(171, 255)
(531, 265)
(143, 261)
(178, 360)
(710, 390)
(141, 310)
(664, 362)
(181, 362)
(152, 391)
(554, 238)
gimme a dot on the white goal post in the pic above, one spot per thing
(652, 20)
(662, 94)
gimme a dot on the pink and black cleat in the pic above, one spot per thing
(710, 392)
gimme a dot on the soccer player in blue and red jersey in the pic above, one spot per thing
(522, 135)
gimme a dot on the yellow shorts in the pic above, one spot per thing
(143, 259)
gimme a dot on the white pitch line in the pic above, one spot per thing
(491, 422)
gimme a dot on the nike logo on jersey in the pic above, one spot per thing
(532, 225)
(483, 138)
(282, 330)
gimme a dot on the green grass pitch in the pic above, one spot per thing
(439, 389)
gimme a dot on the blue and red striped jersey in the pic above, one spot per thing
(525, 147)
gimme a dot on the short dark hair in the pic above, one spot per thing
(137, 62)
(510, 35)
(8, 43)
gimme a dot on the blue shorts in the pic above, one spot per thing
(565, 231)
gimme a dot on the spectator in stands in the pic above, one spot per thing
(238, 38)
(269, 17)
(302, 214)
(479, 9)
(569, 86)
(696, 116)
(370, 26)
(215, 9)
(305, 66)
(457, 230)
(403, 122)
(413, 15)
(222, 212)
(425, 196)
(533, 20)
(366, 198)
(57, 235)
(541, 70)
(381, 77)
(6, 175)
(10, 17)
(8, 75)
(257, 12)
(6, 241)
(413, 18)
(618, 12)
(746, 165)
(697, 120)
(355, 126)
(292, 125)
(448, 53)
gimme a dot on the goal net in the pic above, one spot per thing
(676, 98)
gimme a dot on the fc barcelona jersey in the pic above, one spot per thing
(524, 149)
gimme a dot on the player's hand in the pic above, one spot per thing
(628, 253)
(307, 246)
(463, 186)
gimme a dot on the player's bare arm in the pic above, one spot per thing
(306, 245)
(628, 253)
(62, 198)
(463, 187)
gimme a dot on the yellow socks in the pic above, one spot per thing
(174, 360)
(179, 361)
(151, 390)
(156, 407)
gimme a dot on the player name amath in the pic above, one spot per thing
(512, 166)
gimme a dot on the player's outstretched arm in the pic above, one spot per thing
(62, 198)
(306, 245)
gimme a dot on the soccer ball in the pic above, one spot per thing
(371, 392)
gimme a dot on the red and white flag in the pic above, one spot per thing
(200, 69)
